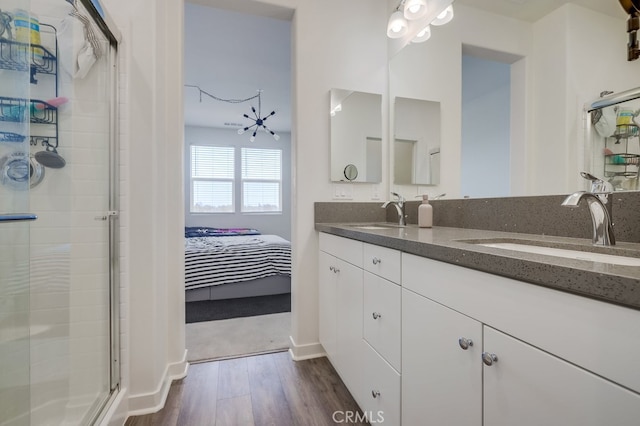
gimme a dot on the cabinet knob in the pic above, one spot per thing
(375, 393)
(465, 343)
(377, 315)
(375, 260)
(489, 359)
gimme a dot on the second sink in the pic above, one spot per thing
(566, 253)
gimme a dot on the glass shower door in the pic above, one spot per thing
(15, 171)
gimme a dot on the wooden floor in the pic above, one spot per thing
(269, 389)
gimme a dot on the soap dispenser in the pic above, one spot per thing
(425, 213)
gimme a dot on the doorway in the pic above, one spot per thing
(492, 146)
(238, 172)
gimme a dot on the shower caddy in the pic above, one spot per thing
(18, 56)
(622, 159)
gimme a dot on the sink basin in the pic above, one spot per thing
(374, 227)
(567, 253)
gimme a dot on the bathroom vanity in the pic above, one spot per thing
(433, 326)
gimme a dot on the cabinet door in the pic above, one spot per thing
(441, 382)
(327, 303)
(349, 342)
(381, 317)
(529, 387)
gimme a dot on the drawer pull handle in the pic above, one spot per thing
(375, 260)
(375, 393)
(377, 315)
(489, 359)
(334, 269)
(465, 343)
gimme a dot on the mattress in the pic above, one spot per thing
(211, 261)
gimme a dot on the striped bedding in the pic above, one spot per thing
(211, 261)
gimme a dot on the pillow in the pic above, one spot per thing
(203, 231)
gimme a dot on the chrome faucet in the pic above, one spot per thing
(600, 207)
(399, 205)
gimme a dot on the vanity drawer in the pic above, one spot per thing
(382, 261)
(381, 317)
(342, 248)
(381, 389)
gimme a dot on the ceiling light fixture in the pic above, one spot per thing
(444, 17)
(423, 35)
(415, 9)
(413, 18)
(258, 120)
(398, 25)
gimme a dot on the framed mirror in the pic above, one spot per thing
(416, 142)
(356, 136)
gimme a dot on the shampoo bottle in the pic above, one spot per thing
(425, 213)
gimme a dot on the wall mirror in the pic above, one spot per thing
(356, 136)
(541, 124)
(613, 140)
(416, 142)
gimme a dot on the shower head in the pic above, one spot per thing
(50, 158)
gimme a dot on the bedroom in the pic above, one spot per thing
(236, 181)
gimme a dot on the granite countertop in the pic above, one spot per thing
(603, 281)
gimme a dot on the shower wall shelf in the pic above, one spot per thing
(622, 152)
(37, 59)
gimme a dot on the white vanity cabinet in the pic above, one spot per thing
(340, 308)
(539, 356)
(360, 322)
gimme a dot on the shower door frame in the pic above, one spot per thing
(106, 24)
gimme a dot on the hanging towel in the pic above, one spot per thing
(606, 125)
(77, 39)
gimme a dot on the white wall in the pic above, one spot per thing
(271, 223)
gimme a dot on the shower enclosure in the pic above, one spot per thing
(58, 212)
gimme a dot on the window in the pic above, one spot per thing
(261, 180)
(217, 175)
(212, 179)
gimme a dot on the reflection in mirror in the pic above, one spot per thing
(552, 71)
(416, 146)
(486, 116)
(356, 136)
(613, 139)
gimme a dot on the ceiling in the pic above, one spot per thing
(232, 55)
(238, 47)
(533, 10)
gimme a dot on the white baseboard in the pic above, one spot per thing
(154, 401)
(308, 351)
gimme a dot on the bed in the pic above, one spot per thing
(234, 263)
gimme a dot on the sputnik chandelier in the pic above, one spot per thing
(257, 118)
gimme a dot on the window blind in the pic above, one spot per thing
(261, 176)
(212, 179)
